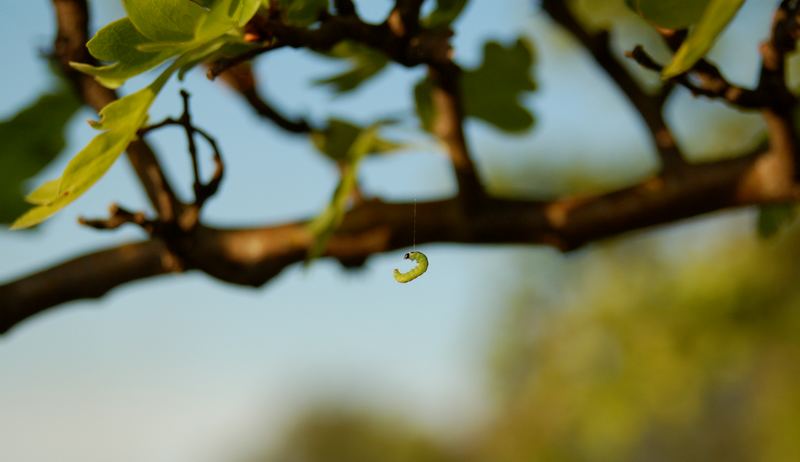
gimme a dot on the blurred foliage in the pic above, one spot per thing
(337, 435)
(31, 140)
(643, 356)
(652, 362)
(365, 63)
(773, 217)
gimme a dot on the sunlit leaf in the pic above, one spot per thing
(119, 43)
(222, 16)
(165, 20)
(31, 140)
(129, 51)
(44, 194)
(701, 38)
(119, 122)
(670, 14)
(365, 63)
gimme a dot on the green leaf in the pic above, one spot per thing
(224, 15)
(340, 137)
(492, 91)
(365, 63)
(131, 51)
(323, 227)
(445, 12)
(45, 193)
(701, 38)
(669, 14)
(166, 20)
(773, 217)
(119, 121)
(122, 45)
(31, 140)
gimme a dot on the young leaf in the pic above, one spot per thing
(45, 193)
(31, 140)
(131, 51)
(119, 122)
(669, 14)
(165, 20)
(773, 217)
(365, 64)
(121, 44)
(326, 223)
(339, 139)
(224, 15)
(701, 38)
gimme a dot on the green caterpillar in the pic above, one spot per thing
(422, 266)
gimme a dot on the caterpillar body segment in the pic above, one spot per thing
(422, 266)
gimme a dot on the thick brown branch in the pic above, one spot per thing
(253, 256)
(73, 18)
(649, 107)
(89, 276)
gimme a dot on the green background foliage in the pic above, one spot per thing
(656, 357)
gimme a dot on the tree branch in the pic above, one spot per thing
(710, 82)
(242, 80)
(405, 45)
(648, 106)
(252, 257)
(448, 126)
(89, 276)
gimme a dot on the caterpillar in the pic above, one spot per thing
(422, 266)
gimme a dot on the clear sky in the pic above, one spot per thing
(184, 368)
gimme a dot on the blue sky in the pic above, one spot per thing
(185, 368)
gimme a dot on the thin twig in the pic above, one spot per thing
(202, 190)
(649, 107)
(705, 79)
(118, 216)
